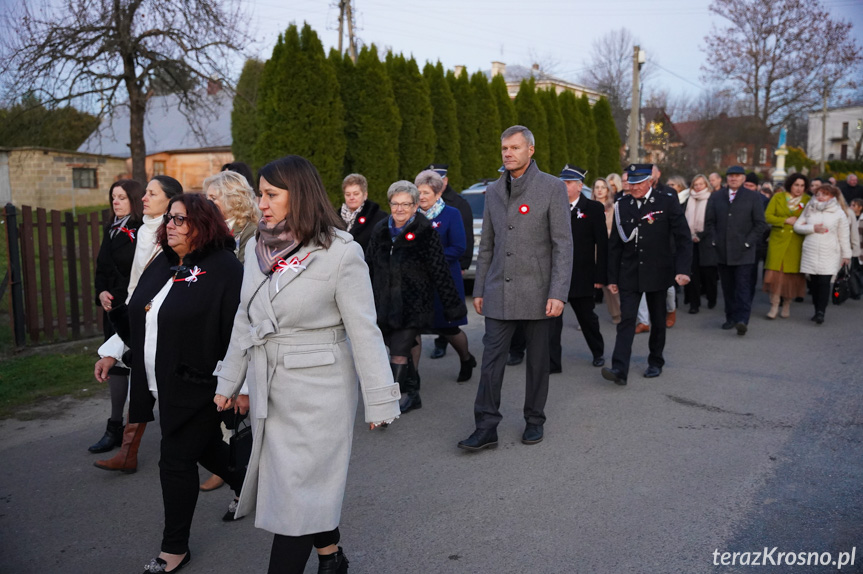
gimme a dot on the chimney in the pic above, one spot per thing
(535, 67)
(458, 70)
(498, 69)
(213, 86)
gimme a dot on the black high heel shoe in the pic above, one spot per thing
(157, 565)
(466, 371)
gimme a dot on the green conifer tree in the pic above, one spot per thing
(608, 139)
(574, 126)
(505, 107)
(488, 127)
(467, 125)
(244, 127)
(445, 117)
(417, 137)
(591, 145)
(372, 123)
(557, 142)
(299, 108)
(531, 115)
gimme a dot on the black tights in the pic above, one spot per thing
(290, 553)
(821, 291)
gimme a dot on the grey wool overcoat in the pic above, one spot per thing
(525, 252)
(301, 344)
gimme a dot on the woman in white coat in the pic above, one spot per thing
(304, 333)
(826, 244)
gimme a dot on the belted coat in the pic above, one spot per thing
(301, 343)
(525, 252)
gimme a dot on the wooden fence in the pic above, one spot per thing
(52, 263)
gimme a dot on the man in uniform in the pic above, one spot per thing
(453, 199)
(649, 250)
(522, 278)
(589, 267)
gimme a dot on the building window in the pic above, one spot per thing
(741, 156)
(844, 153)
(717, 157)
(762, 157)
(83, 178)
(844, 130)
(158, 167)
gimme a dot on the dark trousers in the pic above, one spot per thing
(738, 289)
(290, 553)
(821, 290)
(629, 301)
(518, 343)
(197, 441)
(703, 280)
(589, 323)
(496, 343)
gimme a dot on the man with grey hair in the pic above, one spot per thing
(715, 181)
(523, 273)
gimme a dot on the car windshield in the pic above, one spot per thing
(477, 203)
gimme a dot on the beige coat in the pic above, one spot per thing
(823, 252)
(305, 346)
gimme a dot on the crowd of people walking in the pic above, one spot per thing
(258, 299)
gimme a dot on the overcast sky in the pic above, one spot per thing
(474, 33)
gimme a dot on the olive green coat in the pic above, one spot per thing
(785, 247)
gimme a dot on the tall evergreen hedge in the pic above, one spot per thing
(445, 118)
(557, 137)
(531, 115)
(505, 106)
(573, 124)
(417, 137)
(591, 147)
(372, 122)
(468, 121)
(608, 140)
(488, 127)
(244, 128)
(299, 109)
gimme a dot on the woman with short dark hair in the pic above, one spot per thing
(783, 279)
(304, 334)
(113, 267)
(182, 312)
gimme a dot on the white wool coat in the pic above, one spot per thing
(305, 347)
(823, 252)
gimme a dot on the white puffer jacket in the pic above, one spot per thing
(823, 252)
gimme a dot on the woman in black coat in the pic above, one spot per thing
(182, 312)
(407, 266)
(113, 267)
(358, 212)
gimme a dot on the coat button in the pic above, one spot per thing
(508, 253)
(395, 393)
(507, 279)
(511, 227)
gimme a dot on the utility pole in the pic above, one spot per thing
(352, 40)
(634, 123)
(824, 132)
(341, 24)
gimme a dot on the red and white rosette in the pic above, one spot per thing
(524, 209)
(295, 264)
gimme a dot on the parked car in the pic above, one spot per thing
(475, 196)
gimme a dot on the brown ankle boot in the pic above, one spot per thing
(126, 460)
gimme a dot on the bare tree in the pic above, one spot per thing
(117, 52)
(609, 70)
(780, 55)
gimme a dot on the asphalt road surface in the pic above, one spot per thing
(743, 444)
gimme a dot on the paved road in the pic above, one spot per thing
(743, 443)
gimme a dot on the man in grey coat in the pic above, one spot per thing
(523, 272)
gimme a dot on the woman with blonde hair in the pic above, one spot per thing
(236, 199)
(603, 193)
(615, 184)
(705, 273)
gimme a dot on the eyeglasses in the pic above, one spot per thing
(179, 220)
(401, 205)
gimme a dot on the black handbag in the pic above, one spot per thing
(842, 286)
(856, 273)
(240, 445)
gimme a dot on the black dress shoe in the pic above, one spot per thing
(410, 401)
(652, 372)
(335, 563)
(532, 434)
(113, 437)
(741, 328)
(514, 359)
(693, 310)
(614, 376)
(728, 325)
(438, 352)
(819, 317)
(598, 361)
(480, 439)
(466, 370)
